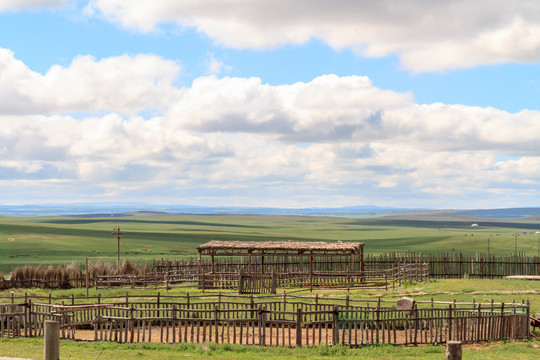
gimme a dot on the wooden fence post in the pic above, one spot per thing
(262, 326)
(86, 275)
(453, 350)
(449, 322)
(174, 324)
(378, 318)
(299, 326)
(51, 341)
(274, 281)
(416, 324)
(479, 335)
(335, 326)
(528, 330)
(241, 281)
(502, 327)
(28, 318)
(216, 323)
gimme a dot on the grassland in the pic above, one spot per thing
(33, 348)
(61, 240)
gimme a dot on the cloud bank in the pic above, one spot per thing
(426, 35)
(118, 128)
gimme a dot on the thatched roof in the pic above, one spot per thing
(281, 246)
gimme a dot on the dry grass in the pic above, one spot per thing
(69, 276)
(294, 246)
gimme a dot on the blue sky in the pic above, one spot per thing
(257, 103)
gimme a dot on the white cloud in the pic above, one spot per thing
(427, 35)
(335, 140)
(32, 4)
(216, 67)
(349, 109)
(123, 83)
(327, 108)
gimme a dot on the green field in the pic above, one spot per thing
(33, 348)
(61, 240)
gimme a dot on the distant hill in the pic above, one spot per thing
(131, 209)
(500, 213)
(140, 209)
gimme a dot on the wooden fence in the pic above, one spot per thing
(451, 265)
(284, 321)
(441, 266)
(259, 283)
(12, 320)
(279, 264)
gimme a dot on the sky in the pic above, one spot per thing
(305, 103)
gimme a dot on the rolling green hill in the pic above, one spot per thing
(61, 240)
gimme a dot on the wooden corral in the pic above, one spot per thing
(284, 320)
(263, 259)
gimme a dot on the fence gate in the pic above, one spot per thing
(257, 283)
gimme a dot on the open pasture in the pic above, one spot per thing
(62, 240)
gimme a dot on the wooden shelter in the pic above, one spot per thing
(289, 257)
(302, 249)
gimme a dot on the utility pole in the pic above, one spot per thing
(117, 233)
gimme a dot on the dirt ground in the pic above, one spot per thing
(274, 336)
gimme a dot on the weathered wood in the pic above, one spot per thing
(51, 350)
(299, 327)
(266, 321)
(453, 350)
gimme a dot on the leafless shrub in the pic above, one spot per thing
(73, 275)
(128, 268)
(100, 268)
